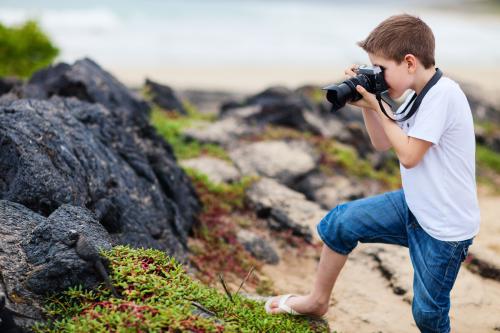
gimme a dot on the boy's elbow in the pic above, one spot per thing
(381, 148)
(408, 166)
(409, 162)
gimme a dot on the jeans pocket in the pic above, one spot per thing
(442, 258)
(465, 251)
(452, 243)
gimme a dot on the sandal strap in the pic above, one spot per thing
(285, 307)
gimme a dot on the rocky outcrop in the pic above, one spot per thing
(225, 132)
(9, 83)
(259, 247)
(394, 265)
(484, 108)
(329, 191)
(284, 208)
(217, 170)
(486, 113)
(164, 97)
(284, 161)
(296, 109)
(78, 152)
(484, 263)
(208, 101)
(306, 109)
(491, 138)
(64, 151)
(37, 256)
(88, 82)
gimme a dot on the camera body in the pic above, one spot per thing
(369, 77)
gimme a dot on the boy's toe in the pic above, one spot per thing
(272, 305)
(275, 303)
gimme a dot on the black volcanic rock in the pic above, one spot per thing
(486, 111)
(271, 99)
(89, 82)
(77, 152)
(36, 258)
(278, 106)
(164, 97)
(484, 108)
(86, 81)
(64, 151)
(103, 155)
(296, 109)
(277, 95)
(8, 83)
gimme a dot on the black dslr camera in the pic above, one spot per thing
(369, 77)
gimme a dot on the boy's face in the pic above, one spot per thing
(396, 75)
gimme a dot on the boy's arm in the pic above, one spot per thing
(409, 150)
(375, 130)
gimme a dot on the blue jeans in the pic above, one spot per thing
(386, 218)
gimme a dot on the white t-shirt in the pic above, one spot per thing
(441, 190)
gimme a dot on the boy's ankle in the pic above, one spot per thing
(319, 300)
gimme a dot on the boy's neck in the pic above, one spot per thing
(422, 78)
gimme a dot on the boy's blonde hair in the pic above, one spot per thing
(400, 35)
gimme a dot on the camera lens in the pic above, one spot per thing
(345, 92)
(338, 95)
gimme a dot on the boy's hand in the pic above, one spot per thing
(369, 101)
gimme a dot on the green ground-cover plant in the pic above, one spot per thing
(335, 155)
(229, 197)
(170, 125)
(157, 296)
(24, 49)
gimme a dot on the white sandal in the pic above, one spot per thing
(282, 306)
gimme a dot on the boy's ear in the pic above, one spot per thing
(411, 62)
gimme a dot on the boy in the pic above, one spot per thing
(436, 214)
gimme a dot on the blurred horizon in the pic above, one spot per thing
(201, 43)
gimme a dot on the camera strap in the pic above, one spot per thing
(415, 99)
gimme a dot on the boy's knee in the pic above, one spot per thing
(431, 321)
(335, 230)
(344, 224)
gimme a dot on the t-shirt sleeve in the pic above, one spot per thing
(431, 117)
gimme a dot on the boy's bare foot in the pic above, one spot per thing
(301, 304)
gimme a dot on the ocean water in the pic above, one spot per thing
(155, 33)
